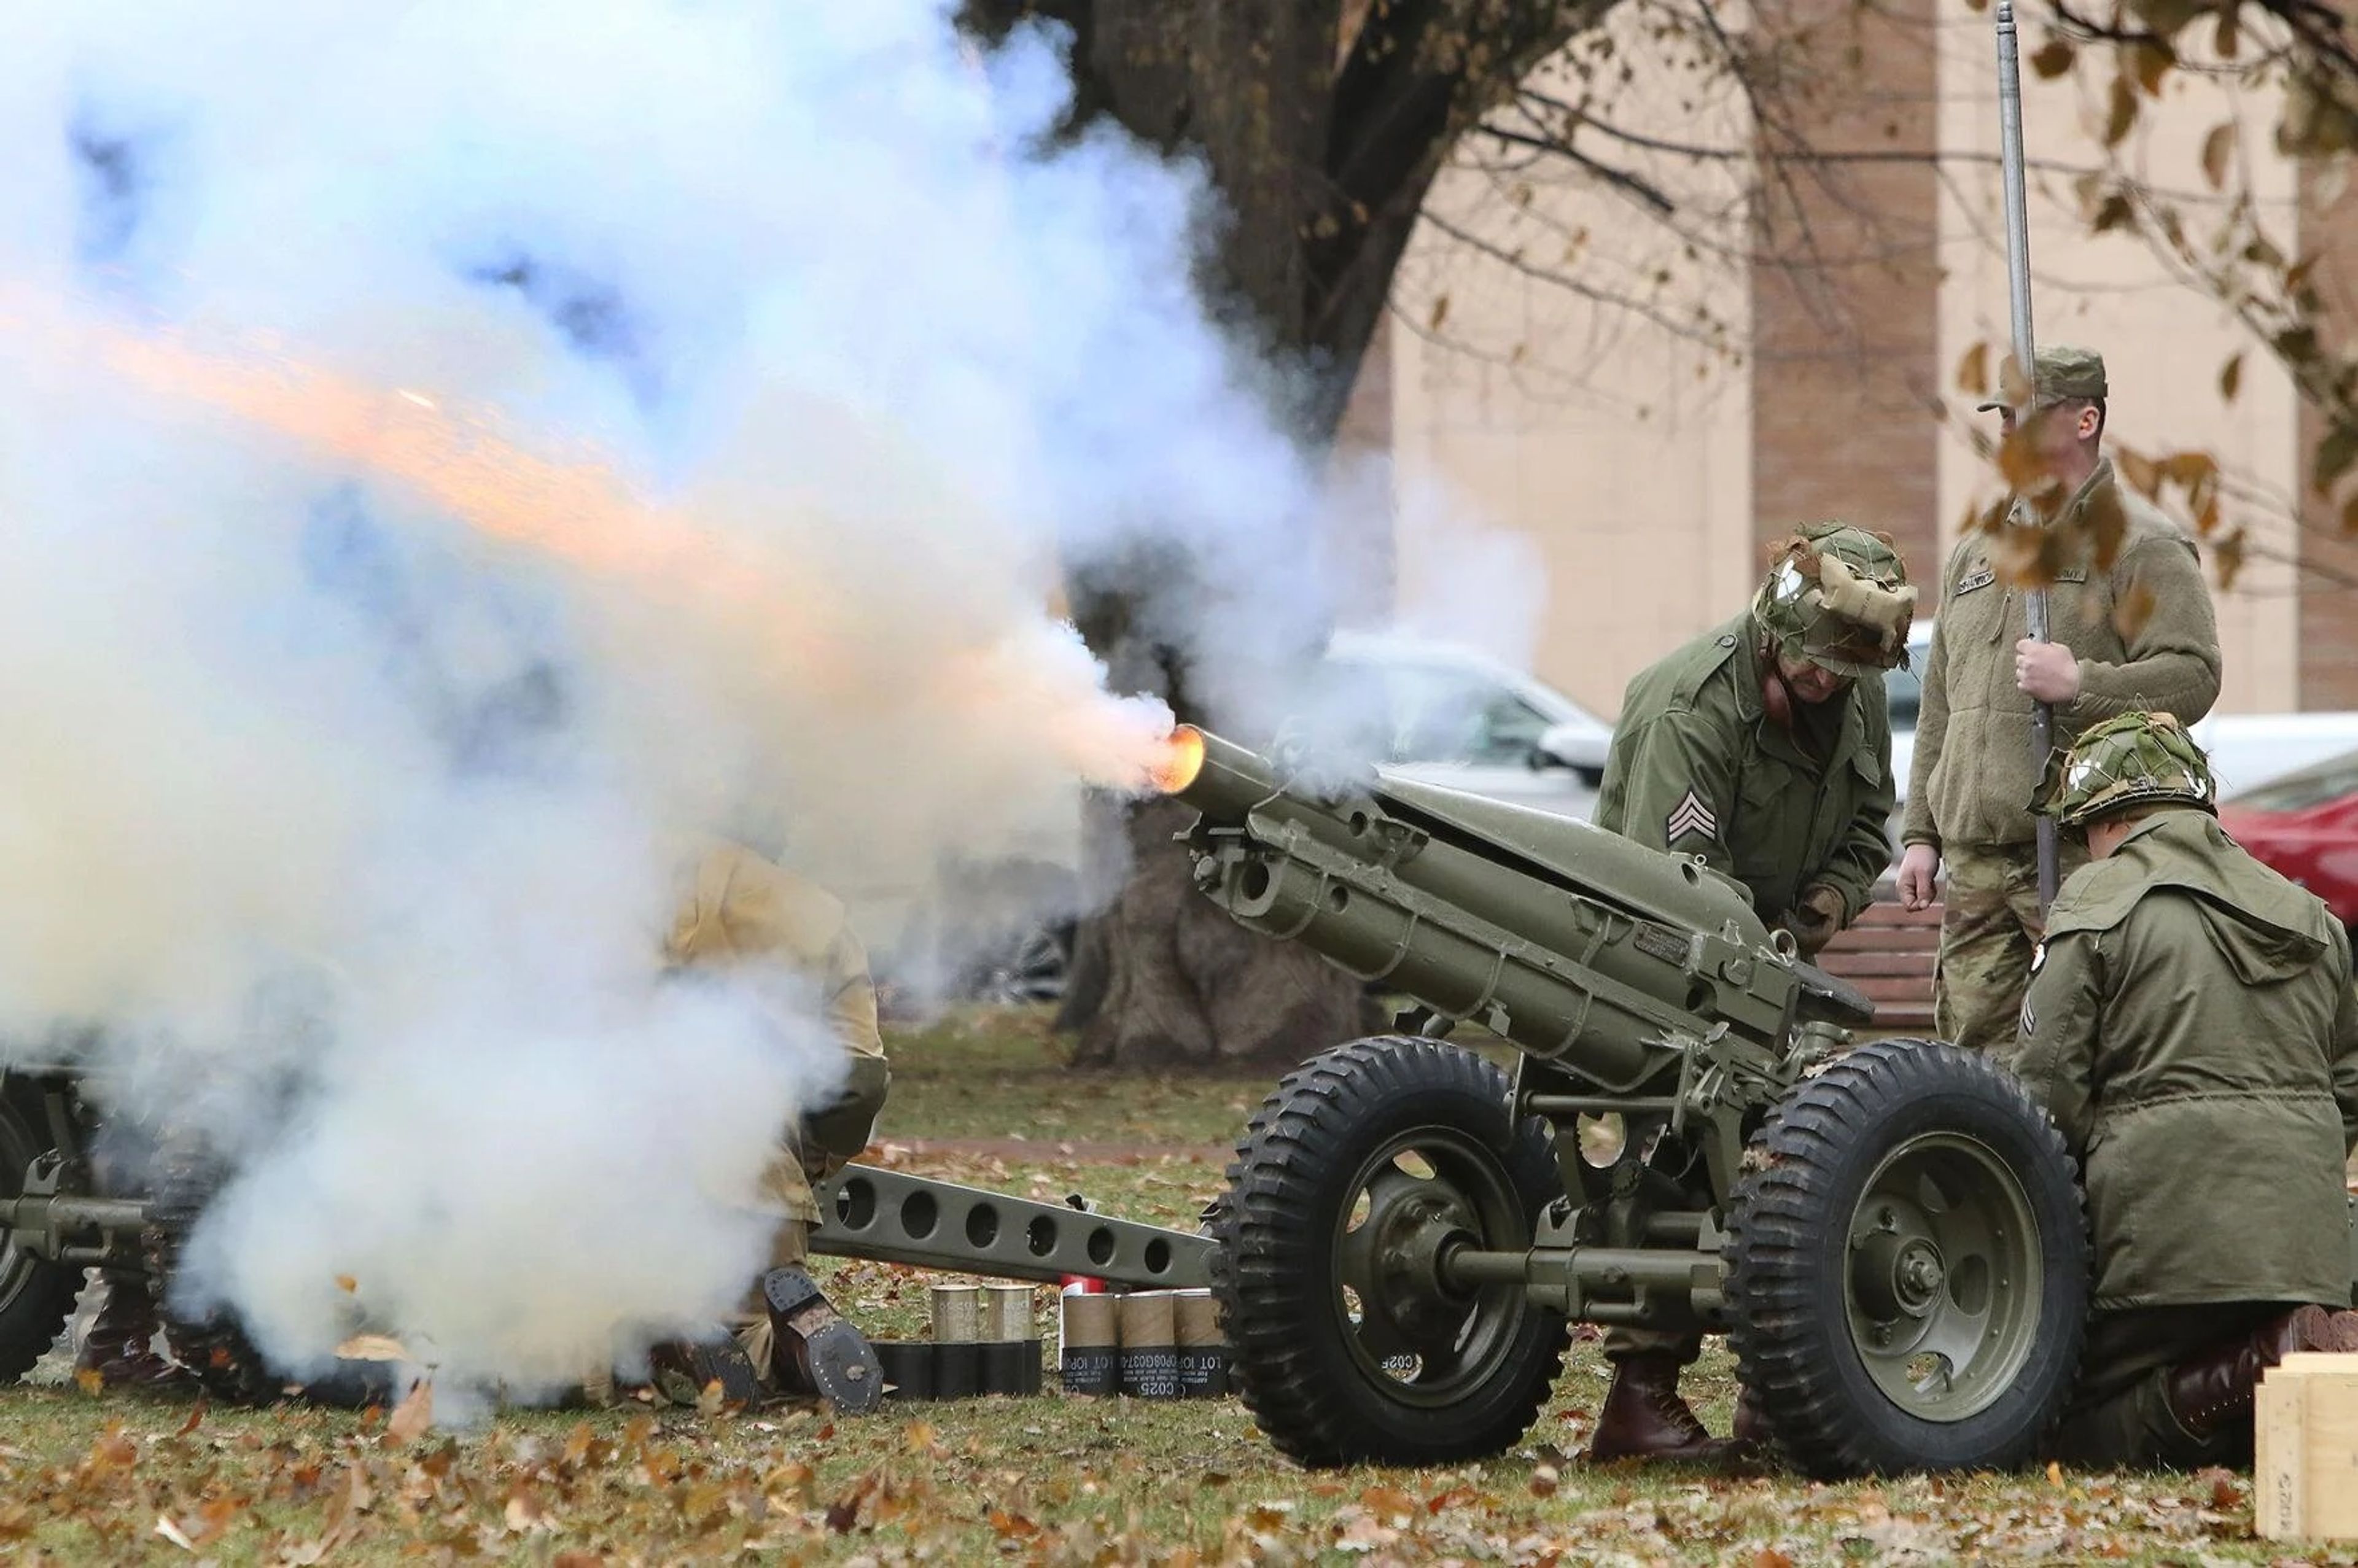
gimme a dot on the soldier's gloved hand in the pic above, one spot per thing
(1816, 918)
(836, 1131)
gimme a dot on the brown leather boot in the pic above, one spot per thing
(1644, 1418)
(2215, 1390)
(120, 1349)
(1750, 1438)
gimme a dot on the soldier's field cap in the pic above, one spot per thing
(2064, 374)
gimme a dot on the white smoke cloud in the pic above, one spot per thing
(450, 451)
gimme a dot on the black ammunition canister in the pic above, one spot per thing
(1006, 1314)
(1149, 1357)
(908, 1368)
(1087, 1358)
(1202, 1352)
(1003, 1366)
(958, 1370)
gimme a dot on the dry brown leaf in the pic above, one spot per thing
(1389, 1504)
(347, 1285)
(1545, 1479)
(1440, 314)
(412, 1416)
(2141, 472)
(1770, 1557)
(2349, 516)
(2231, 377)
(2025, 556)
(2120, 112)
(2229, 553)
(2025, 472)
(196, 1419)
(2217, 149)
(2054, 58)
(2013, 386)
(2054, 1474)
(1973, 371)
(2104, 523)
(2133, 613)
(1011, 1527)
(87, 1379)
(113, 1450)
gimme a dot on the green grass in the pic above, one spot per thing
(87, 1479)
(980, 1073)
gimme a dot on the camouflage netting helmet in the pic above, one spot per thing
(2132, 760)
(1838, 596)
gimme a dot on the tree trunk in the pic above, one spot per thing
(1186, 985)
(1323, 123)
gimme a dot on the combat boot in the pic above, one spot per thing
(2215, 1389)
(1644, 1418)
(120, 1349)
(1750, 1439)
(813, 1350)
(691, 1371)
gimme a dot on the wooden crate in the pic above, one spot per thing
(1887, 953)
(2305, 1464)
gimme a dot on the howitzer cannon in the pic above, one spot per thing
(1891, 1235)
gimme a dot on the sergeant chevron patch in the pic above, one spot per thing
(1689, 815)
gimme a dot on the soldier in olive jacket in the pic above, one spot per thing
(2131, 628)
(1765, 748)
(2190, 1026)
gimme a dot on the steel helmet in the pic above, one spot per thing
(2126, 760)
(1838, 596)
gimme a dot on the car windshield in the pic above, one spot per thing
(1434, 713)
(2310, 786)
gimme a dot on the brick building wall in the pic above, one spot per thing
(1845, 289)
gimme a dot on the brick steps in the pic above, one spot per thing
(1887, 953)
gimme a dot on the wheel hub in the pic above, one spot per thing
(1943, 1276)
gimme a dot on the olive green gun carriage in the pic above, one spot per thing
(1890, 1234)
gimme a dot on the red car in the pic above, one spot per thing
(2306, 826)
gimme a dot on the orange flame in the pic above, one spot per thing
(1181, 761)
(580, 510)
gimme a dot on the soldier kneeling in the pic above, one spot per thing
(744, 910)
(2190, 1025)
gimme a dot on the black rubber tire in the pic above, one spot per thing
(36, 1295)
(1277, 1273)
(1789, 1272)
(215, 1349)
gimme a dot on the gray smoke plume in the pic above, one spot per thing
(451, 452)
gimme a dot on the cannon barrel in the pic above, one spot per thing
(1576, 943)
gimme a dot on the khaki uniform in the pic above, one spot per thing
(1698, 767)
(1969, 791)
(2192, 1029)
(742, 909)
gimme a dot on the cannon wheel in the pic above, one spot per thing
(1908, 1266)
(1354, 1174)
(36, 1295)
(215, 1348)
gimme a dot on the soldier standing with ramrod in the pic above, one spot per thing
(2132, 628)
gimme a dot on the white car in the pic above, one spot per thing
(2247, 750)
(1447, 715)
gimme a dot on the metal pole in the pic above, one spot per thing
(2018, 267)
